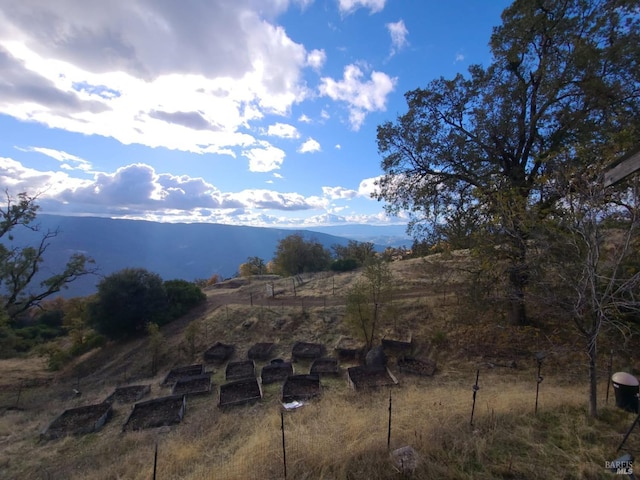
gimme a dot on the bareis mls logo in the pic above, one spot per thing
(620, 467)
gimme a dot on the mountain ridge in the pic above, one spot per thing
(173, 250)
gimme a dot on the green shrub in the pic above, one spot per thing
(343, 265)
(182, 296)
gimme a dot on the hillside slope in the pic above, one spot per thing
(342, 434)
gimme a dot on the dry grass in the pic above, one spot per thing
(343, 434)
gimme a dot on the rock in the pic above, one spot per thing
(376, 358)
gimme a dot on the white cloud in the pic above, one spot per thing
(335, 193)
(271, 200)
(349, 6)
(68, 161)
(338, 146)
(264, 159)
(18, 178)
(309, 146)
(304, 119)
(191, 79)
(283, 130)
(316, 59)
(459, 57)
(137, 191)
(361, 97)
(398, 32)
(367, 187)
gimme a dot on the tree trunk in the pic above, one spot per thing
(518, 274)
(518, 277)
(592, 352)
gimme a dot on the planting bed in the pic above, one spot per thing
(300, 387)
(155, 413)
(363, 377)
(416, 366)
(397, 346)
(180, 372)
(324, 366)
(240, 392)
(260, 351)
(129, 394)
(198, 384)
(240, 369)
(305, 350)
(276, 371)
(79, 421)
(219, 352)
(348, 348)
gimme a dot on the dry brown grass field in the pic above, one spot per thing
(342, 434)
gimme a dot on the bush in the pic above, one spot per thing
(182, 296)
(344, 265)
(126, 301)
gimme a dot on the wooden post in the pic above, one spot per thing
(284, 449)
(475, 392)
(538, 382)
(389, 429)
(609, 372)
(155, 461)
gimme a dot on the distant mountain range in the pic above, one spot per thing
(175, 250)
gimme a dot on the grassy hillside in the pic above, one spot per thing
(344, 433)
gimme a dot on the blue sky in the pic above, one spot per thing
(250, 112)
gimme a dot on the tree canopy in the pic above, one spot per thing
(130, 299)
(127, 301)
(369, 300)
(501, 143)
(253, 266)
(21, 283)
(295, 255)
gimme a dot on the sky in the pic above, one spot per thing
(244, 112)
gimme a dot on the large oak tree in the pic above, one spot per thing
(564, 79)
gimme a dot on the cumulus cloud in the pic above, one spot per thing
(138, 191)
(154, 73)
(309, 146)
(193, 120)
(368, 187)
(18, 178)
(22, 86)
(335, 193)
(398, 33)
(283, 130)
(361, 97)
(349, 6)
(316, 59)
(271, 200)
(265, 158)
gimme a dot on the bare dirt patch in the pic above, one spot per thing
(79, 421)
(240, 392)
(159, 412)
(300, 387)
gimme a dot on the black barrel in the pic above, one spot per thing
(627, 389)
